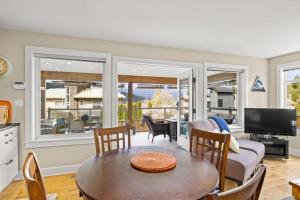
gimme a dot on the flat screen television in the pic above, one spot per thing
(270, 121)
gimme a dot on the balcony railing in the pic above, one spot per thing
(157, 113)
(77, 113)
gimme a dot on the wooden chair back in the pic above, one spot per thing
(33, 178)
(249, 191)
(109, 136)
(214, 147)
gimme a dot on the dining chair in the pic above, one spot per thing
(249, 191)
(109, 136)
(214, 147)
(33, 179)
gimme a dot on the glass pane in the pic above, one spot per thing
(184, 95)
(293, 94)
(222, 95)
(71, 96)
(293, 75)
(156, 100)
(292, 91)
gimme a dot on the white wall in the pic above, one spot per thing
(12, 46)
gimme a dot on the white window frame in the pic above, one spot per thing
(118, 59)
(242, 87)
(281, 91)
(33, 138)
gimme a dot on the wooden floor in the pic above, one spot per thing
(276, 187)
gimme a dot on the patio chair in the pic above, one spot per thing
(76, 126)
(156, 128)
(61, 126)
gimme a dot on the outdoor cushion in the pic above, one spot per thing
(256, 147)
(241, 165)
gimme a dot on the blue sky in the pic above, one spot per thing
(291, 74)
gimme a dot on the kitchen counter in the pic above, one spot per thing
(6, 126)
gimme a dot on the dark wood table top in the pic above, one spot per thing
(111, 176)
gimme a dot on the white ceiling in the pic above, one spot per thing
(136, 69)
(259, 28)
(63, 65)
(133, 69)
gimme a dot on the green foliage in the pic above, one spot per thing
(163, 98)
(138, 111)
(122, 112)
(149, 104)
(293, 95)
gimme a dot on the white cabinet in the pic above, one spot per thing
(8, 154)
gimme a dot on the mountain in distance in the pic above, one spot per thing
(143, 94)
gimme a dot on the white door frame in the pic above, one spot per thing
(163, 63)
(181, 140)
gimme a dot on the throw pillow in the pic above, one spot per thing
(233, 145)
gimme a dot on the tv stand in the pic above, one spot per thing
(275, 147)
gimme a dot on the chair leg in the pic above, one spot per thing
(148, 134)
(152, 138)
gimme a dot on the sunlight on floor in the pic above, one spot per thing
(141, 139)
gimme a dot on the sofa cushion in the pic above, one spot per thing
(240, 166)
(256, 147)
(201, 124)
(214, 124)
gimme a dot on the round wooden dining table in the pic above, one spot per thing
(111, 176)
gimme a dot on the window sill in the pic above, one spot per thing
(40, 143)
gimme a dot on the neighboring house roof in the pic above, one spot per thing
(223, 89)
(56, 93)
(93, 93)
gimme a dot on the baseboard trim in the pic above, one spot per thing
(294, 152)
(52, 171)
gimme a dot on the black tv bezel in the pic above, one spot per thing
(268, 133)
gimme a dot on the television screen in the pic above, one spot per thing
(270, 121)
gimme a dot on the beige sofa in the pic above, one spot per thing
(240, 166)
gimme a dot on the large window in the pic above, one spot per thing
(226, 93)
(292, 89)
(156, 100)
(288, 87)
(71, 95)
(222, 95)
(65, 95)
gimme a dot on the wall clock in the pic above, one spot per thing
(5, 67)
